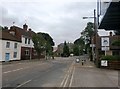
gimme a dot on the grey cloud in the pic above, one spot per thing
(6, 18)
(63, 20)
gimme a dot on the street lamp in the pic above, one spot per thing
(87, 17)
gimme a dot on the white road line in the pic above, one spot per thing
(14, 70)
(7, 72)
(63, 81)
(66, 80)
(71, 80)
(19, 69)
(62, 84)
(24, 83)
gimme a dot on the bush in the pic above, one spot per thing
(111, 57)
(116, 43)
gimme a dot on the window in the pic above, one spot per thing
(29, 41)
(8, 45)
(15, 55)
(25, 40)
(26, 52)
(15, 45)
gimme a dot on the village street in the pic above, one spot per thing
(60, 72)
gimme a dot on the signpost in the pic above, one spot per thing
(105, 44)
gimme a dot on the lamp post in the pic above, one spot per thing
(95, 31)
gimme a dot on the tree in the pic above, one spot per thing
(49, 43)
(66, 52)
(79, 41)
(76, 50)
(43, 42)
(39, 43)
(79, 45)
(48, 38)
(87, 34)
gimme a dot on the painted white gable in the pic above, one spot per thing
(27, 43)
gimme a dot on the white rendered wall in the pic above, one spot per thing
(11, 50)
(27, 45)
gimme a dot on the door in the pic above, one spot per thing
(7, 56)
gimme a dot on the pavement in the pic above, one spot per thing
(22, 61)
(88, 75)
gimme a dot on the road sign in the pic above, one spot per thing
(105, 48)
(104, 63)
(105, 41)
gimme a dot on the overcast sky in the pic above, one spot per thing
(62, 19)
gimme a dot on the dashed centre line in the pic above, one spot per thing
(18, 69)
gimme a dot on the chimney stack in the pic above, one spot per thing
(30, 29)
(25, 27)
(110, 33)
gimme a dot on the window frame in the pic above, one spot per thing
(28, 41)
(25, 40)
(15, 45)
(7, 44)
(15, 55)
(27, 52)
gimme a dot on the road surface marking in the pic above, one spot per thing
(63, 81)
(71, 80)
(62, 84)
(15, 70)
(87, 66)
(66, 78)
(20, 69)
(23, 83)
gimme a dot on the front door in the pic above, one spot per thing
(7, 56)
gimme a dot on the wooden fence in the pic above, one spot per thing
(112, 65)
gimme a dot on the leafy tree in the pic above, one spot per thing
(49, 43)
(43, 42)
(79, 41)
(87, 34)
(76, 50)
(48, 38)
(39, 43)
(79, 45)
(66, 52)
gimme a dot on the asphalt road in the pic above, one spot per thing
(49, 73)
(61, 72)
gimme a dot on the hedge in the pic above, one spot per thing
(111, 57)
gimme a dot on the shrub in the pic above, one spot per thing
(116, 43)
(111, 57)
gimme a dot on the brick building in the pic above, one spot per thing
(27, 46)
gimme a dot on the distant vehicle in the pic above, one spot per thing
(77, 60)
(71, 55)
